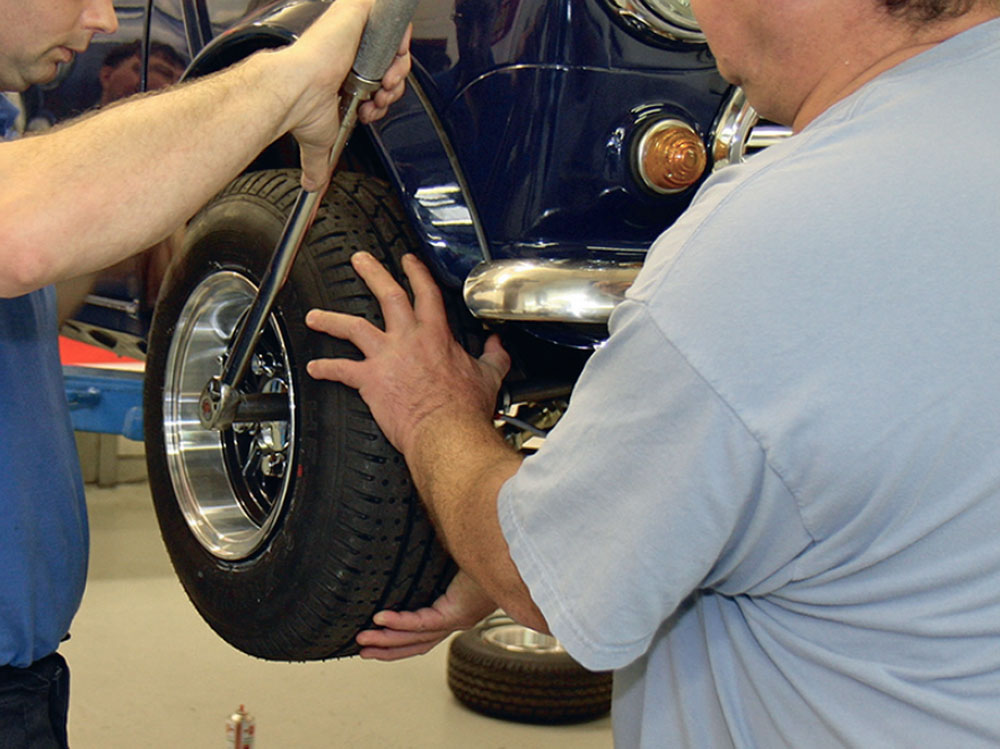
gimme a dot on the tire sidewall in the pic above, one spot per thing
(238, 233)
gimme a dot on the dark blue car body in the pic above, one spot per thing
(516, 138)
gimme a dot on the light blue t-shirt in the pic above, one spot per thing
(43, 523)
(774, 502)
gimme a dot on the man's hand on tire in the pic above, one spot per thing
(408, 633)
(414, 371)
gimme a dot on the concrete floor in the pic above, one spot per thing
(146, 671)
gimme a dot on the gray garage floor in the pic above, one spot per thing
(146, 671)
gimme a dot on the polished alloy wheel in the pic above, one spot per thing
(230, 485)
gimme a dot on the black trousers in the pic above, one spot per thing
(34, 703)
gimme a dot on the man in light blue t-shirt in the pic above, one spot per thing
(773, 502)
(62, 216)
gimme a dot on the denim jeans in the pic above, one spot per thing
(34, 703)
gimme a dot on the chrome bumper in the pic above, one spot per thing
(567, 291)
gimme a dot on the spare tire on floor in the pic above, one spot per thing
(288, 534)
(504, 670)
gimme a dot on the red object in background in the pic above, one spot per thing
(76, 353)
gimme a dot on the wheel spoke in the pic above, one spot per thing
(253, 457)
(226, 484)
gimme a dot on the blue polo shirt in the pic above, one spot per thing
(43, 522)
(8, 119)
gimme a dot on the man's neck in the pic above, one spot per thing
(841, 83)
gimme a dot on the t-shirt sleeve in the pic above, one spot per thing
(648, 489)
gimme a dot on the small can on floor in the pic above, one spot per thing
(240, 730)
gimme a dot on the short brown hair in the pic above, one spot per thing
(928, 10)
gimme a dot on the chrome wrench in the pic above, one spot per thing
(220, 403)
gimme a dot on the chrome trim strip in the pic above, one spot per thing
(737, 132)
(461, 211)
(569, 291)
(732, 130)
(763, 136)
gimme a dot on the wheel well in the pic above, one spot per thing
(360, 155)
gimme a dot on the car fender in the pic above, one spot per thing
(412, 148)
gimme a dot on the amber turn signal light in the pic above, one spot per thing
(671, 156)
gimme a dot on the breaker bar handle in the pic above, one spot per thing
(219, 405)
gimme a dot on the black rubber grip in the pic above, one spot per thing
(385, 29)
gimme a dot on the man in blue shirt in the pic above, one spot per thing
(772, 503)
(62, 216)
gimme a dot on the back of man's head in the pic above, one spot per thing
(923, 11)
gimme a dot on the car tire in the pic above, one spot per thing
(287, 535)
(504, 670)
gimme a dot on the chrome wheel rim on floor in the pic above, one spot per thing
(504, 633)
(230, 485)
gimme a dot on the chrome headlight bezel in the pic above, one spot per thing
(671, 19)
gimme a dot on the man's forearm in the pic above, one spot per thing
(459, 466)
(89, 194)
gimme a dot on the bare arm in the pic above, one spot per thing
(84, 196)
(435, 404)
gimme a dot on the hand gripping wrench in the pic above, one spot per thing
(220, 403)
